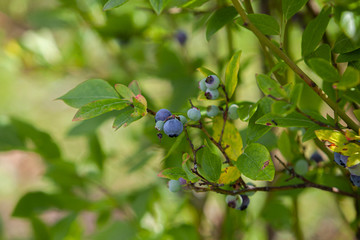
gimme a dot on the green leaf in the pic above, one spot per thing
(173, 173)
(231, 74)
(33, 203)
(357, 114)
(97, 154)
(294, 119)
(265, 23)
(323, 51)
(231, 137)
(125, 118)
(282, 109)
(99, 107)
(353, 160)
(324, 69)
(229, 175)
(89, 91)
(134, 87)
(113, 4)
(255, 163)
(206, 72)
(345, 45)
(186, 166)
(314, 31)
(140, 106)
(117, 229)
(350, 24)
(246, 110)
(350, 78)
(124, 91)
(209, 164)
(290, 7)
(40, 229)
(158, 5)
(43, 142)
(219, 19)
(295, 94)
(284, 145)
(270, 87)
(349, 56)
(255, 131)
(310, 133)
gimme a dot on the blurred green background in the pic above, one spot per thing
(107, 180)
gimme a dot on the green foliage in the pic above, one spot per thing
(290, 7)
(231, 74)
(219, 19)
(209, 164)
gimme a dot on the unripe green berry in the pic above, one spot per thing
(174, 185)
(159, 125)
(212, 82)
(233, 201)
(212, 110)
(202, 85)
(194, 114)
(183, 119)
(212, 94)
(250, 186)
(301, 167)
(233, 114)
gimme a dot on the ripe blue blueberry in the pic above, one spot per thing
(211, 94)
(182, 181)
(233, 114)
(181, 37)
(194, 114)
(159, 125)
(173, 127)
(174, 185)
(355, 180)
(245, 202)
(183, 119)
(212, 82)
(316, 157)
(301, 167)
(233, 201)
(212, 110)
(202, 85)
(162, 115)
(355, 170)
(340, 160)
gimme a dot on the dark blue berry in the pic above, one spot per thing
(181, 37)
(245, 202)
(355, 180)
(162, 115)
(173, 127)
(339, 160)
(316, 157)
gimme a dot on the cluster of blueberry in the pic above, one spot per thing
(354, 170)
(171, 125)
(210, 85)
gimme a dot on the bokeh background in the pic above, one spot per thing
(101, 183)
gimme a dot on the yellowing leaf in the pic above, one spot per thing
(334, 137)
(231, 138)
(229, 175)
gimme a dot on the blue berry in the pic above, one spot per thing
(355, 180)
(233, 114)
(173, 127)
(162, 115)
(202, 85)
(211, 94)
(355, 170)
(340, 160)
(159, 125)
(212, 82)
(181, 37)
(301, 167)
(233, 201)
(212, 110)
(316, 157)
(183, 119)
(245, 202)
(182, 181)
(174, 185)
(194, 114)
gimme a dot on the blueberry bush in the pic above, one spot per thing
(249, 106)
